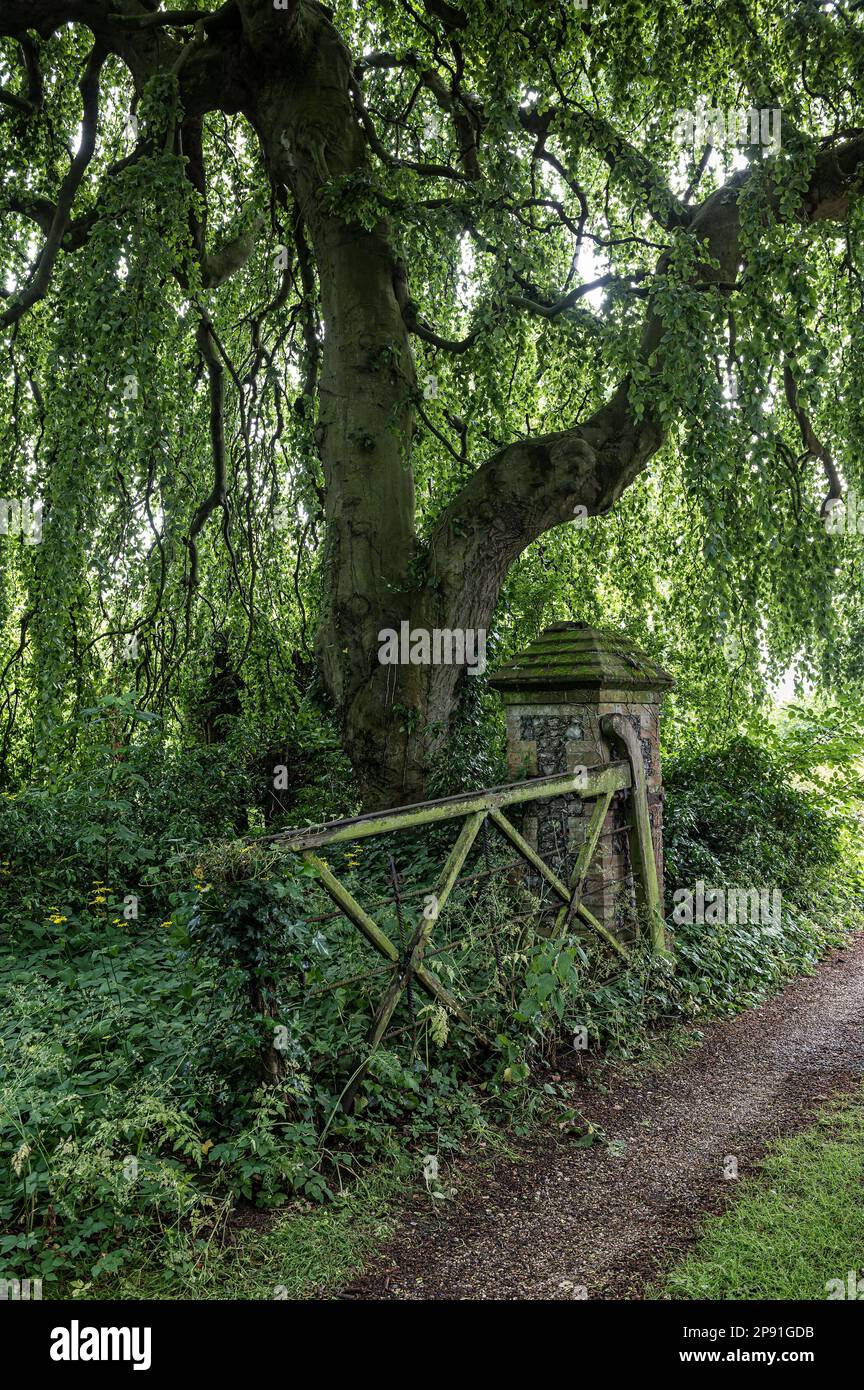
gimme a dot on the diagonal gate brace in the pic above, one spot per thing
(413, 961)
(533, 858)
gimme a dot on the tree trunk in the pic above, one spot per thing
(310, 133)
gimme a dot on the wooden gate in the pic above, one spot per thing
(474, 810)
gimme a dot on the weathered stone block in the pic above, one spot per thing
(555, 693)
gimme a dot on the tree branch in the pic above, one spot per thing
(33, 100)
(173, 19)
(815, 448)
(617, 152)
(530, 486)
(89, 87)
(17, 103)
(441, 171)
(217, 497)
(43, 17)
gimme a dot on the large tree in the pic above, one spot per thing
(460, 271)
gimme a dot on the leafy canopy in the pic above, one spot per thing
(527, 162)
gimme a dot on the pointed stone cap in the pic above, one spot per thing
(573, 656)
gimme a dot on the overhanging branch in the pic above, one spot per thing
(587, 128)
(813, 445)
(41, 279)
(534, 484)
(217, 497)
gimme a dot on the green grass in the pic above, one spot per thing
(304, 1253)
(794, 1227)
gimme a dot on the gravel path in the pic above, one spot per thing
(610, 1218)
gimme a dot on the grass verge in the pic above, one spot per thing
(796, 1226)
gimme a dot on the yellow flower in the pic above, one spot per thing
(100, 898)
(166, 924)
(57, 919)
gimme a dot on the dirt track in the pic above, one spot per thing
(610, 1218)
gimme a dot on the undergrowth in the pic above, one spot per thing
(181, 1014)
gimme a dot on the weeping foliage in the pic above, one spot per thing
(529, 257)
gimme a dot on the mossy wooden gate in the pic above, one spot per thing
(600, 784)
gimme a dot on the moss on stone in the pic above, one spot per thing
(570, 655)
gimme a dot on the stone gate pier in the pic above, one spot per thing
(556, 694)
